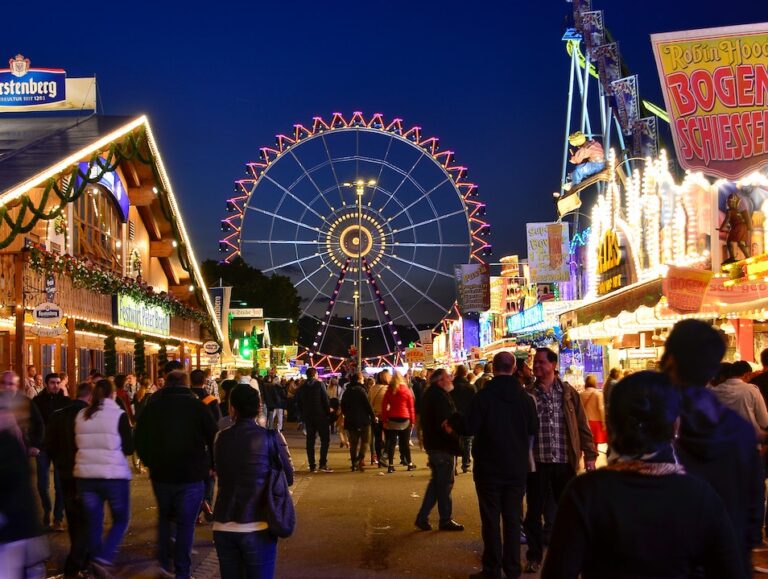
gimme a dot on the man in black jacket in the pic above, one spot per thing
(61, 447)
(49, 401)
(714, 443)
(315, 410)
(358, 417)
(174, 438)
(442, 449)
(504, 421)
(463, 392)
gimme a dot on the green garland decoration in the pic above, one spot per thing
(97, 328)
(139, 359)
(72, 188)
(86, 275)
(110, 355)
(162, 356)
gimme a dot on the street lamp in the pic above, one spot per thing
(359, 185)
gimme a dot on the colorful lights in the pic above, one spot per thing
(230, 245)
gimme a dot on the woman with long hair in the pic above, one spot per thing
(642, 515)
(103, 439)
(398, 416)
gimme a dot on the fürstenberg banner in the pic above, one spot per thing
(27, 89)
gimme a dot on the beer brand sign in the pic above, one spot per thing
(21, 85)
(715, 84)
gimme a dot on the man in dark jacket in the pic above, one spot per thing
(60, 446)
(174, 438)
(197, 378)
(714, 443)
(315, 410)
(358, 417)
(49, 401)
(442, 449)
(504, 422)
(463, 392)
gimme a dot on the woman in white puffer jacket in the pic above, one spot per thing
(103, 438)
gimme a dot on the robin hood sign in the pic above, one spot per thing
(715, 84)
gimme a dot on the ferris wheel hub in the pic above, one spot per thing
(344, 238)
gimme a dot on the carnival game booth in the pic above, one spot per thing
(655, 257)
(96, 267)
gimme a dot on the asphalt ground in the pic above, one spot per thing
(350, 525)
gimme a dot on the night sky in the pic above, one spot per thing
(488, 78)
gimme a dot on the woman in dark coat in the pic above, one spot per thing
(642, 516)
(244, 545)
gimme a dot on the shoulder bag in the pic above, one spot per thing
(280, 512)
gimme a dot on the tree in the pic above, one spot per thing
(275, 293)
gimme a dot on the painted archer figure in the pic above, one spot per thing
(739, 223)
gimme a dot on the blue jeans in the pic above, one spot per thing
(178, 503)
(439, 488)
(246, 555)
(43, 481)
(94, 492)
(585, 170)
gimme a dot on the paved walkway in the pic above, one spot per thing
(350, 525)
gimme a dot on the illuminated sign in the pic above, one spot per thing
(127, 312)
(22, 86)
(525, 319)
(608, 252)
(715, 84)
(111, 181)
(608, 263)
(247, 312)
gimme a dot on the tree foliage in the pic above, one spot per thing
(274, 293)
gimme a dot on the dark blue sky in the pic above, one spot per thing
(219, 81)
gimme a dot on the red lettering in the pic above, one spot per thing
(726, 140)
(680, 92)
(696, 143)
(746, 133)
(761, 85)
(725, 86)
(745, 84)
(758, 130)
(708, 138)
(684, 138)
(703, 89)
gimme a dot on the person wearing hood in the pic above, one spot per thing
(463, 392)
(642, 515)
(743, 398)
(358, 418)
(714, 443)
(504, 421)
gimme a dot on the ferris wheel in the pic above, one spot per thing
(367, 218)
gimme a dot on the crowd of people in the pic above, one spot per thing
(656, 474)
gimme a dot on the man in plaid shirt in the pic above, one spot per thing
(563, 437)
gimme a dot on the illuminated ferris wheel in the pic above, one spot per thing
(367, 218)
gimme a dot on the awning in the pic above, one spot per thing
(629, 299)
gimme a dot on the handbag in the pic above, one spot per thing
(281, 514)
